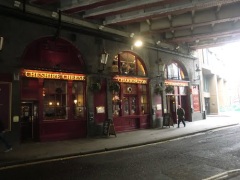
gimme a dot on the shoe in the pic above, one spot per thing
(9, 149)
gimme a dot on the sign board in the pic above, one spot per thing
(52, 75)
(108, 128)
(195, 97)
(176, 83)
(167, 120)
(100, 109)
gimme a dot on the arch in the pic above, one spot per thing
(128, 63)
(176, 70)
(49, 53)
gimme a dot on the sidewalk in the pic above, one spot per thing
(49, 150)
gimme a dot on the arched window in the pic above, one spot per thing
(174, 71)
(126, 63)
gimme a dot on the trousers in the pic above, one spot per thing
(181, 120)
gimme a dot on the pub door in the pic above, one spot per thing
(171, 103)
(185, 106)
(28, 121)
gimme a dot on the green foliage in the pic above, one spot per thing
(96, 86)
(158, 89)
(114, 86)
(169, 89)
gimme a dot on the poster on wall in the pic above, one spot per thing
(5, 99)
(195, 97)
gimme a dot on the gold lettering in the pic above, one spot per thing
(50, 75)
(131, 80)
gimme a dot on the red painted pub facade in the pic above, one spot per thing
(58, 100)
(54, 88)
(130, 105)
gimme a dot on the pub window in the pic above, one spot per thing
(126, 63)
(54, 100)
(144, 99)
(116, 103)
(206, 84)
(78, 100)
(173, 71)
(129, 99)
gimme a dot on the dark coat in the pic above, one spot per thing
(180, 113)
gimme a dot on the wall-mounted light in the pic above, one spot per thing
(198, 78)
(197, 68)
(103, 60)
(197, 71)
(161, 66)
(138, 43)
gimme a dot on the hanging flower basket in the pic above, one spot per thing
(96, 86)
(158, 90)
(169, 89)
(114, 86)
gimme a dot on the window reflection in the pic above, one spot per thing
(54, 99)
(126, 63)
(173, 71)
(77, 97)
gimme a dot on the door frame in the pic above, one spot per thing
(31, 122)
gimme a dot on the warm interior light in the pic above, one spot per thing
(138, 43)
(50, 103)
(75, 101)
(57, 103)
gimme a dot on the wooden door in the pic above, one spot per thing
(29, 121)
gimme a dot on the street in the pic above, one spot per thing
(193, 157)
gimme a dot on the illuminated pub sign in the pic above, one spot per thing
(176, 83)
(123, 79)
(52, 75)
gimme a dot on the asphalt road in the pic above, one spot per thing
(196, 157)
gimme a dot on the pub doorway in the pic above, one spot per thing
(171, 104)
(28, 121)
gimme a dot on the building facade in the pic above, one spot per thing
(54, 86)
(214, 82)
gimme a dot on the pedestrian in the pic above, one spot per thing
(2, 139)
(181, 115)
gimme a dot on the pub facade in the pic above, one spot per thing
(54, 88)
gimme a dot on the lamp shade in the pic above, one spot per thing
(161, 65)
(104, 58)
(197, 68)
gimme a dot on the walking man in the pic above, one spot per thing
(181, 115)
(2, 139)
